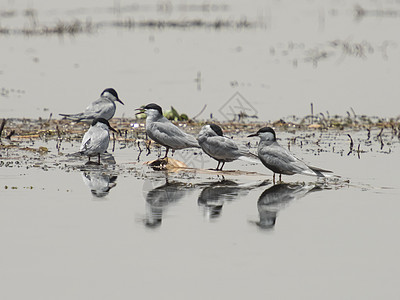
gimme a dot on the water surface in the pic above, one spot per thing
(124, 230)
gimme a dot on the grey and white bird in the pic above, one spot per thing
(96, 139)
(222, 148)
(162, 131)
(104, 107)
(279, 160)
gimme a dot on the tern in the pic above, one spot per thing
(96, 139)
(222, 148)
(278, 159)
(162, 131)
(104, 107)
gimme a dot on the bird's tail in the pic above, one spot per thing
(73, 117)
(83, 152)
(196, 145)
(250, 157)
(320, 172)
(75, 154)
(192, 142)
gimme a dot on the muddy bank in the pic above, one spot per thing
(52, 144)
(131, 129)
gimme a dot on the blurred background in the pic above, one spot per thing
(58, 56)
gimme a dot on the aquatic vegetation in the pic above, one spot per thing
(173, 115)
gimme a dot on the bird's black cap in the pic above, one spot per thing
(104, 121)
(216, 129)
(112, 92)
(264, 129)
(153, 106)
(100, 120)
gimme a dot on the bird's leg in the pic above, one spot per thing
(280, 177)
(89, 158)
(148, 143)
(273, 179)
(166, 153)
(217, 169)
(223, 164)
(98, 158)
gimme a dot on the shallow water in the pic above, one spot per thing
(300, 52)
(124, 230)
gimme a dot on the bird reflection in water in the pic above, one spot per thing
(277, 197)
(161, 197)
(214, 195)
(99, 182)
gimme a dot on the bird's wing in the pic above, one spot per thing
(224, 143)
(278, 153)
(283, 160)
(167, 134)
(99, 108)
(100, 140)
(220, 147)
(86, 142)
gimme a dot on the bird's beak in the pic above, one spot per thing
(251, 135)
(119, 100)
(112, 129)
(140, 111)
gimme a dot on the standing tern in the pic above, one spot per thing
(162, 131)
(279, 160)
(222, 148)
(96, 139)
(104, 107)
